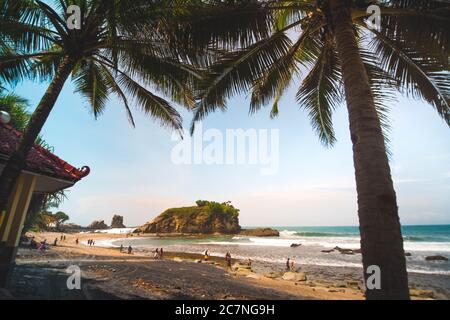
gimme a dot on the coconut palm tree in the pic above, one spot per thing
(122, 48)
(108, 55)
(344, 58)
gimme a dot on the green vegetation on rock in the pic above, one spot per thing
(207, 217)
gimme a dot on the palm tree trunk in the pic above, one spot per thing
(381, 237)
(17, 161)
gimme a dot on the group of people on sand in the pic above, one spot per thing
(41, 246)
(129, 250)
(61, 239)
(91, 242)
(290, 264)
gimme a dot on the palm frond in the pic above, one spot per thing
(417, 74)
(114, 87)
(238, 71)
(273, 83)
(321, 92)
(90, 82)
(151, 104)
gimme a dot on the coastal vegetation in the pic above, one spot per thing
(208, 217)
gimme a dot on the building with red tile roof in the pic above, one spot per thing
(40, 161)
(44, 173)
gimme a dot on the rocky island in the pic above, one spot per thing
(207, 217)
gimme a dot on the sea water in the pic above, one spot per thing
(420, 241)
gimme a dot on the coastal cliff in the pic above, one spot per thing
(205, 218)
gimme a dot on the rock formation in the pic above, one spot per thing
(260, 232)
(205, 218)
(436, 258)
(98, 225)
(117, 222)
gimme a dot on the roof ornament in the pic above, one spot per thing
(85, 171)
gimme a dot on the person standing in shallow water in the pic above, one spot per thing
(130, 250)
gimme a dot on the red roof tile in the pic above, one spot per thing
(40, 160)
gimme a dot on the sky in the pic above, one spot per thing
(133, 173)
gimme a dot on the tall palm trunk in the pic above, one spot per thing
(17, 161)
(381, 238)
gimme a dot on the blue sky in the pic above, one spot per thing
(132, 173)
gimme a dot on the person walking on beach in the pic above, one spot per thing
(206, 255)
(77, 241)
(288, 264)
(292, 266)
(161, 253)
(156, 254)
(33, 243)
(228, 259)
(121, 248)
(55, 243)
(130, 249)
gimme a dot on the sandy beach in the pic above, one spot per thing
(109, 274)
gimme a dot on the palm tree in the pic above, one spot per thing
(330, 43)
(110, 54)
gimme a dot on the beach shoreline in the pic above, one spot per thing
(154, 279)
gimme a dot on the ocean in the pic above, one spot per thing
(420, 241)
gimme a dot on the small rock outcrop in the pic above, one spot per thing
(260, 232)
(206, 218)
(241, 267)
(98, 225)
(346, 251)
(436, 258)
(294, 276)
(117, 222)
